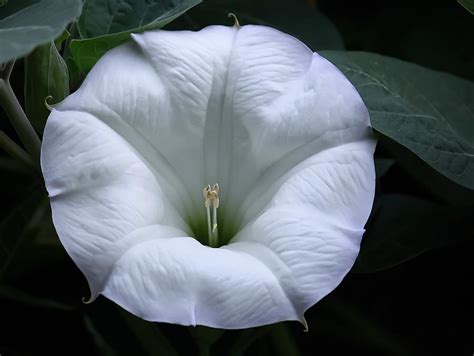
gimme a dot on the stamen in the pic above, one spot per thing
(211, 197)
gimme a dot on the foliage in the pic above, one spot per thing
(121, 19)
(35, 24)
(430, 113)
(46, 75)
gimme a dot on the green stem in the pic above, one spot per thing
(15, 151)
(17, 116)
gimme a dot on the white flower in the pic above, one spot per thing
(279, 128)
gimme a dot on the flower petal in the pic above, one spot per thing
(181, 281)
(309, 233)
(280, 129)
(100, 193)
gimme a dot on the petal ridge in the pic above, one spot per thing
(146, 158)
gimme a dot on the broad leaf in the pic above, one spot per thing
(10, 293)
(21, 224)
(382, 166)
(304, 22)
(34, 25)
(46, 74)
(105, 17)
(429, 112)
(148, 334)
(438, 185)
(468, 5)
(121, 19)
(117, 332)
(311, 26)
(403, 227)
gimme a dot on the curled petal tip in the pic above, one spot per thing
(49, 106)
(305, 324)
(236, 20)
(90, 300)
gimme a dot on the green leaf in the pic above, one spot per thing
(19, 296)
(403, 227)
(382, 166)
(117, 332)
(311, 26)
(148, 334)
(112, 22)
(439, 186)
(21, 224)
(468, 5)
(431, 113)
(35, 25)
(304, 22)
(9, 7)
(102, 345)
(105, 17)
(204, 337)
(62, 37)
(283, 341)
(46, 74)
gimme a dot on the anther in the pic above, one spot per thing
(211, 198)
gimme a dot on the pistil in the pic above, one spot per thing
(211, 199)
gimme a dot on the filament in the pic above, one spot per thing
(211, 198)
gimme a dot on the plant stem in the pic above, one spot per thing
(10, 147)
(17, 116)
(6, 70)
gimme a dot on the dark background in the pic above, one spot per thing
(420, 307)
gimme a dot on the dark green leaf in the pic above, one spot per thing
(18, 296)
(439, 186)
(46, 74)
(21, 224)
(148, 334)
(121, 19)
(34, 25)
(63, 37)
(431, 113)
(468, 5)
(382, 165)
(300, 19)
(303, 22)
(204, 337)
(402, 227)
(336, 316)
(283, 341)
(102, 345)
(9, 7)
(105, 17)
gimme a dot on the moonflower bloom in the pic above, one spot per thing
(220, 177)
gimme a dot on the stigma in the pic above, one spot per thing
(211, 199)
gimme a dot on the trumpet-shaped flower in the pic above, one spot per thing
(132, 158)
